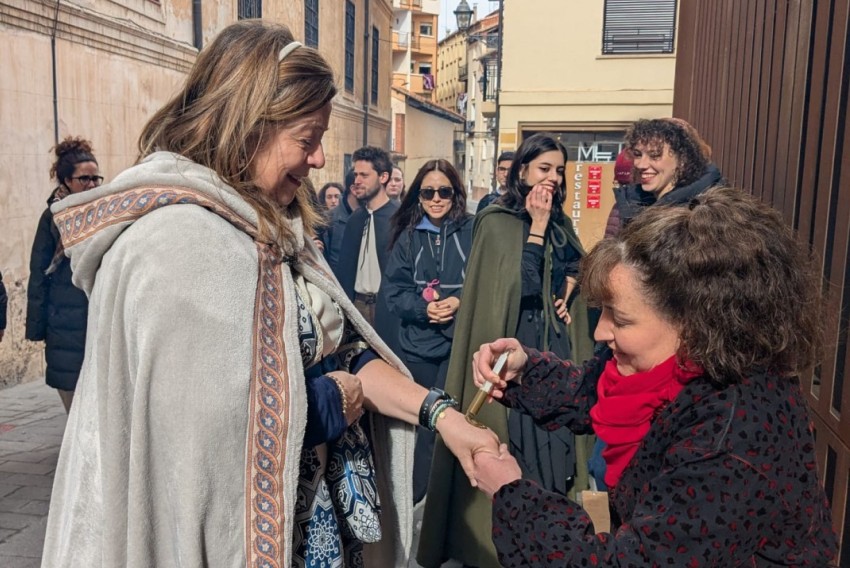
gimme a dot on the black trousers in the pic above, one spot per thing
(428, 374)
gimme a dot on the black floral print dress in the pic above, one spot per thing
(726, 476)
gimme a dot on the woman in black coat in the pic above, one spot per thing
(430, 241)
(710, 451)
(56, 309)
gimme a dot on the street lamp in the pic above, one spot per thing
(463, 13)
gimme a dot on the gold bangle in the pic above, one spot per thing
(341, 394)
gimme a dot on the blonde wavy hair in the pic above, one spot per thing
(235, 98)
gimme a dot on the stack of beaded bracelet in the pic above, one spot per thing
(437, 411)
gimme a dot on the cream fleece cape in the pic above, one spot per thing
(182, 447)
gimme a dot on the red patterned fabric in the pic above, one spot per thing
(626, 406)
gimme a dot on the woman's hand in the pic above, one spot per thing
(442, 311)
(484, 359)
(353, 399)
(466, 441)
(561, 310)
(493, 471)
(319, 244)
(538, 203)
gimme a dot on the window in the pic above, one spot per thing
(346, 165)
(249, 9)
(375, 60)
(311, 23)
(424, 68)
(639, 26)
(349, 46)
(488, 81)
(426, 29)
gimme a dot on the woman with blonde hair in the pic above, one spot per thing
(228, 377)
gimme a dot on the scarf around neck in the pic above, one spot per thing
(628, 404)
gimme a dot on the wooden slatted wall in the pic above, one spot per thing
(766, 82)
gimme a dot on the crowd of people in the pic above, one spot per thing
(272, 375)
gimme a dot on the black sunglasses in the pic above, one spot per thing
(97, 180)
(445, 192)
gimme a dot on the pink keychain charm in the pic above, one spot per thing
(430, 293)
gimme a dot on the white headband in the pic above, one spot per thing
(287, 49)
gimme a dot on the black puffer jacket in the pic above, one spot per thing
(416, 260)
(631, 199)
(4, 299)
(56, 309)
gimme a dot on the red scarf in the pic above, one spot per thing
(627, 405)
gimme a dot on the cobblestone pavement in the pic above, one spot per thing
(32, 420)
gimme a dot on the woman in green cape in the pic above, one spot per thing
(520, 274)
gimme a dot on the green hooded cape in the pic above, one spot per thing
(457, 522)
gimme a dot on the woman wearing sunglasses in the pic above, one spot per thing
(522, 266)
(56, 309)
(432, 235)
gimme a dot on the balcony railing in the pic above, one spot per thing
(401, 40)
(407, 4)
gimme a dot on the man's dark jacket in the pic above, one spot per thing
(333, 233)
(386, 324)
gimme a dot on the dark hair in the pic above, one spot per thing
(504, 156)
(517, 190)
(348, 181)
(691, 151)
(410, 213)
(378, 157)
(324, 191)
(730, 275)
(70, 152)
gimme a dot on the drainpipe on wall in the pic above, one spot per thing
(55, 83)
(366, 46)
(498, 85)
(197, 28)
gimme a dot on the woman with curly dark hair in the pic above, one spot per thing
(672, 164)
(56, 309)
(430, 241)
(712, 313)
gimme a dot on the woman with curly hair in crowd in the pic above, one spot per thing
(671, 165)
(712, 313)
(56, 309)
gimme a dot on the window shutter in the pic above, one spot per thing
(639, 26)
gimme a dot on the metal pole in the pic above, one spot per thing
(498, 88)
(197, 27)
(53, 70)
(366, 37)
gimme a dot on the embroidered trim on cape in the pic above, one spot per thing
(78, 223)
(266, 544)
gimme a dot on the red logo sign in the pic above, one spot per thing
(593, 202)
(594, 186)
(594, 172)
